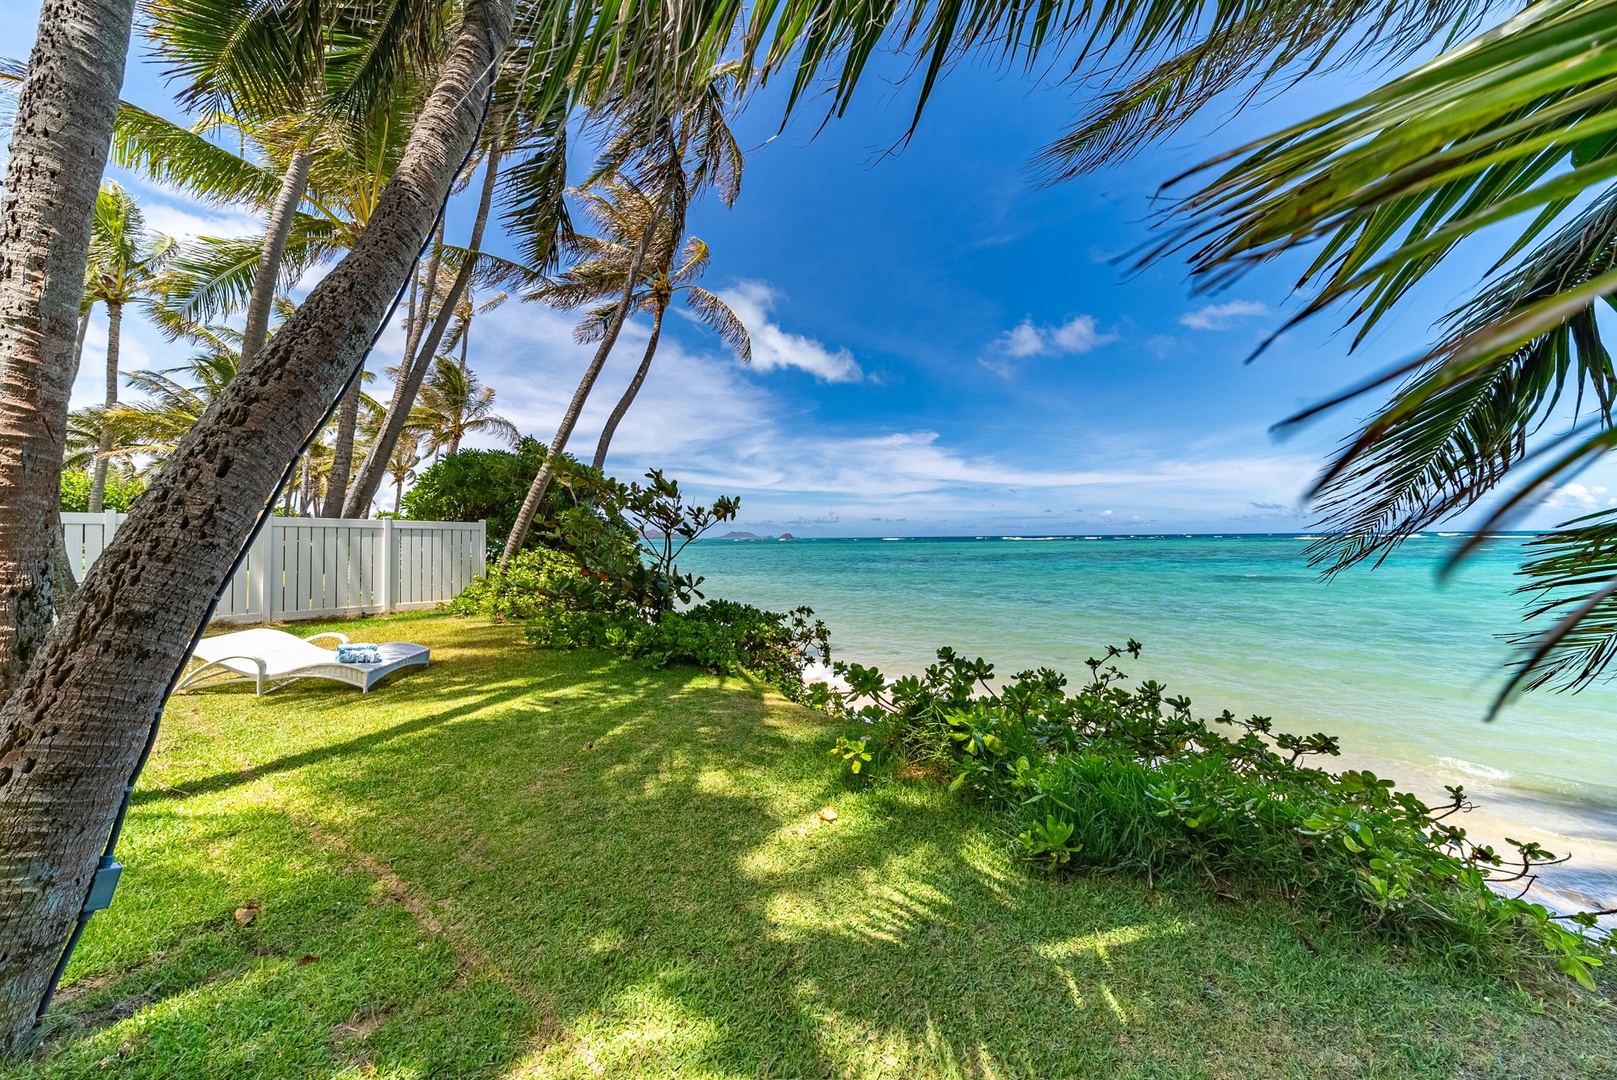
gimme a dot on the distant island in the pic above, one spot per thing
(755, 536)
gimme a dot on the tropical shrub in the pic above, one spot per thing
(120, 492)
(1120, 779)
(721, 636)
(486, 485)
(533, 581)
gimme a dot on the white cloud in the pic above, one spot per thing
(774, 348)
(1077, 335)
(1581, 497)
(1221, 316)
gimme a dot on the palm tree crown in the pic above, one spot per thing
(454, 403)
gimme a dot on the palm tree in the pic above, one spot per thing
(294, 88)
(453, 404)
(665, 158)
(123, 264)
(621, 213)
(401, 465)
(61, 126)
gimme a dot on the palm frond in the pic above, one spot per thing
(213, 276)
(1572, 576)
(251, 59)
(714, 313)
(1393, 181)
(533, 193)
(1246, 50)
(180, 157)
(1448, 439)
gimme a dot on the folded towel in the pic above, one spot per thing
(358, 654)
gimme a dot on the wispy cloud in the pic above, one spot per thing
(1222, 316)
(774, 348)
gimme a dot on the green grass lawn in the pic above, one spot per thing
(530, 864)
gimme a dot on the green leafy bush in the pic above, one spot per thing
(535, 580)
(1114, 779)
(489, 485)
(721, 636)
(119, 493)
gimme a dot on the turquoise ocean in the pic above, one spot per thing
(1399, 663)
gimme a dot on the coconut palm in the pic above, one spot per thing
(454, 403)
(295, 90)
(124, 261)
(534, 209)
(401, 465)
(662, 158)
(621, 213)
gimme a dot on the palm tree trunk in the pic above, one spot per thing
(262, 301)
(59, 138)
(416, 324)
(306, 485)
(74, 730)
(342, 453)
(404, 394)
(569, 420)
(78, 344)
(629, 395)
(98, 482)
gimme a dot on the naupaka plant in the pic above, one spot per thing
(1121, 778)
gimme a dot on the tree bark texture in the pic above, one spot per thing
(629, 395)
(59, 142)
(98, 480)
(268, 274)
(73, 730)
(404, 394)
(569, 420)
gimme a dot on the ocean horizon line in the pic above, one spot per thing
(1032, 537)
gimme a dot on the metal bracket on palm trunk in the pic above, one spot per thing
(105, 884)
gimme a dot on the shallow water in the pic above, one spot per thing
(1398, 664)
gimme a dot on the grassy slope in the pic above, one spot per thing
(529, 864)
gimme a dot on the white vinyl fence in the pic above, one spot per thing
(306, 568)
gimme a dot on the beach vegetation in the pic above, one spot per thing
(1120, 779)
(485, 485)
(719, 636)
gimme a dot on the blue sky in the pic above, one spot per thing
(941, 345)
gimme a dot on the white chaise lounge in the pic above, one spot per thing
(273, 658)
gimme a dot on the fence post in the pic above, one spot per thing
(386, 583)
(480, 556)
(109, 526)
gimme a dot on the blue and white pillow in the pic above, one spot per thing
(358, 654)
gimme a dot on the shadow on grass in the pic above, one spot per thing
(584, 868)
